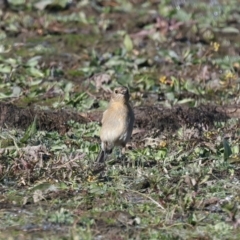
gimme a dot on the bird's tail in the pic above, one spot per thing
(101, 156)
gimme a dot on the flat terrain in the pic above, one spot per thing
(180, 176)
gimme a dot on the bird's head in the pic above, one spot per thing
(120, 94)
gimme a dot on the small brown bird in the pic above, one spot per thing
(117, 123)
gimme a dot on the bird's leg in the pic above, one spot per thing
(123, 152)
(103, 153)
(101, 156)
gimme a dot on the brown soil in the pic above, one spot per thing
(51, 120)
(146, 117)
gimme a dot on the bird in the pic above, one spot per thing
(117, 123)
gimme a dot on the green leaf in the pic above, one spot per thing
(128, 44)
(183, 15)
(5, 68)
(68, 88)
(11, 61)
(235, 149)
(227, 149)
(16, 2)
(173, 55)
(31, 130)
(35, 72)
(229, 30)
(41, 5)
(32, 62)
(3, 95)
(185, 100)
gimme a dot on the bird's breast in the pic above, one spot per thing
(117, 123)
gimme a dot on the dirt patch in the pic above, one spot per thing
(169, 120)
(50, 120)
(147, 118)
(172, 119)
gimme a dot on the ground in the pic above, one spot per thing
(179, 178)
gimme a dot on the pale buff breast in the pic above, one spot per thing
(117, 124)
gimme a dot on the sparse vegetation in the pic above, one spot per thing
(179, 178)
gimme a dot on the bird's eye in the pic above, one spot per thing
(116, 91)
